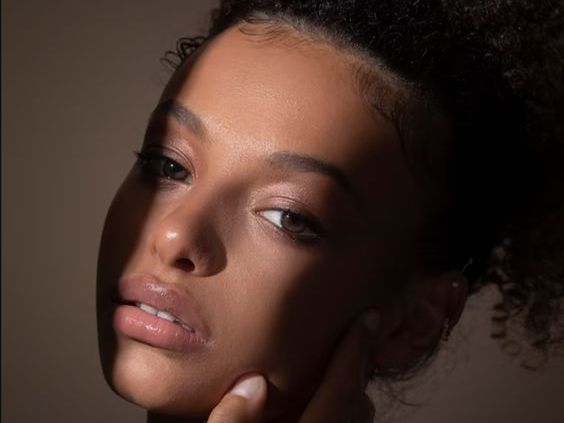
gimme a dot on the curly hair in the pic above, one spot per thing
(495, 70)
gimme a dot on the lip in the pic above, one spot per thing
(135, 323)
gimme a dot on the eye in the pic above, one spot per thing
(163, 167)
(292, 224)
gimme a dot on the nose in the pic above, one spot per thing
(186, 238)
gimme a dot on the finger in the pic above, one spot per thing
(365, 411)
(244, 403)
(344, 382)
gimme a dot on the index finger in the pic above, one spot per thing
(341, 391)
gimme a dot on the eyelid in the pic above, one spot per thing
(174, 150)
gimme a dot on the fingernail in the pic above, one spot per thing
(248, 387)
(371, 320)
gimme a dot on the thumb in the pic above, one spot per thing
(244, 403)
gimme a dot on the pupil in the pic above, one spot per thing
(171, 169)
(292, 223)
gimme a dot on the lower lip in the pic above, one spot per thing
(134, 323)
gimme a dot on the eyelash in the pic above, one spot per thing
(146, 159)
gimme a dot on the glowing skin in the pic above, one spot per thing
(272, 303)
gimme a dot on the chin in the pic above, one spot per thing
(160, 382)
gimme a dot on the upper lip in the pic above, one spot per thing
(148, 289)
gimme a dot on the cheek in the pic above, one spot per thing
(289, 312)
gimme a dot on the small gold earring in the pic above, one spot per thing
(446, 331)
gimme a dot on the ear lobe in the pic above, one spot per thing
(456, 297)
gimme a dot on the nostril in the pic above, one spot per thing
(185, 264)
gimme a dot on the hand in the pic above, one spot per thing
(340, 397)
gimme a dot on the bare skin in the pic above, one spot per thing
(339, 398)
(277, 291)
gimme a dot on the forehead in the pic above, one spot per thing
(241, 84)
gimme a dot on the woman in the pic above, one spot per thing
(313, 162)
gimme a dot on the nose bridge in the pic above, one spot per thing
(186, 236)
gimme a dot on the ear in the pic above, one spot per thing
(412, 325)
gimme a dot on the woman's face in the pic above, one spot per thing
(269, 208)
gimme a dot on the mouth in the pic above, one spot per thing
(159, 314)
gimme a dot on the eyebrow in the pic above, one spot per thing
(279, 159)
(303, 163)
(184, 116)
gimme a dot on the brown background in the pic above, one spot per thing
(79, 79)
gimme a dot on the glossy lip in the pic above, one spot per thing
(148, 289)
